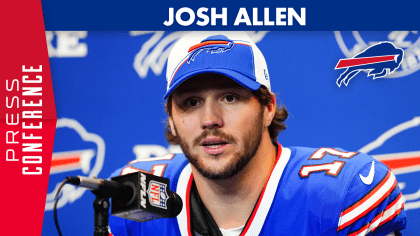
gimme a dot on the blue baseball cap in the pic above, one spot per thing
(232, 54)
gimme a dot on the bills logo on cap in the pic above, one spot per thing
(213, 44)
(157, 194)
(379, 60)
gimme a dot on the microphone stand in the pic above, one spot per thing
(103, 190)
(101, 208)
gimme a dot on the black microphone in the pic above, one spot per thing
(136, 196)
(103, 186)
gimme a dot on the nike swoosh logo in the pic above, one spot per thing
(369, 179)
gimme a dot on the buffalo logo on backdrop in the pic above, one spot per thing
(378, 60)
(213, 44)
(83, 155)
(404, 164)
(353, 43)
(155, 51)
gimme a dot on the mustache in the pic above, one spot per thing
(214, 133)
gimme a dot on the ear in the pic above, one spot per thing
(270, 111)
(171, 124)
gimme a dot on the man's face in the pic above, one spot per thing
(219, 124)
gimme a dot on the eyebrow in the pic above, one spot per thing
(190, 91)
(203, 87)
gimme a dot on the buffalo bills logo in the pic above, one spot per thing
(379, 60)
(84, 156)
(213, 44)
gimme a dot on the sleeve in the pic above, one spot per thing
(373, 204)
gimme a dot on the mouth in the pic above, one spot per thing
(213, 142)
(214, 146)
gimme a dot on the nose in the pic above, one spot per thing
(212, 116)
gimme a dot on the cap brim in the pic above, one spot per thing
(241, 79)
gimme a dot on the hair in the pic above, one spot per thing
(265, 98)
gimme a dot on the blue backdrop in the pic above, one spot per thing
(109, 88)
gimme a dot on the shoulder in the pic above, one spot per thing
(334, 165)
(342, 165)
(167, 166)
(357, 190)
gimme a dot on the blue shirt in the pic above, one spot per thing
(310, 191)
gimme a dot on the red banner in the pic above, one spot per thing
(28, 117)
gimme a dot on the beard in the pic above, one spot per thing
(251, 143)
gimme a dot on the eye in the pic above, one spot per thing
(230, 98)
(192, 102)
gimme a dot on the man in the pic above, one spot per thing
(235, 179)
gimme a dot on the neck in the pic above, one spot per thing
(231, 201)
